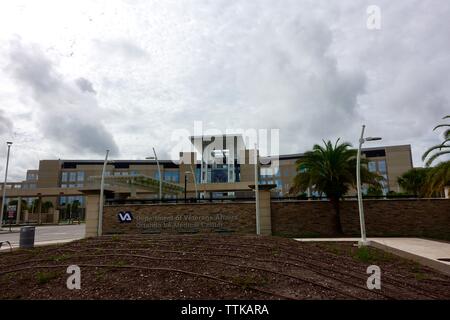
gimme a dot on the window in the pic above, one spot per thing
(64, 185)
(65, 176)
(31, 176)
(72, 176)
(80, 176)
(372, 166)
(382, 166)
(62, 201)
(172, 176)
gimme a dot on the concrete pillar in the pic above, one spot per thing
(26, 218)
(265, 217)
(55, 215)
(40, 210)
(19, 210)
(92, 205)
(446, 192)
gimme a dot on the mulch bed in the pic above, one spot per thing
(213, 267)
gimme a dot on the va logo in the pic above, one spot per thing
(125, 217)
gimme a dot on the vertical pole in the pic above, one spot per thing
(185, 186)
(100, 207)
(363, 241)
(19, 209)
(195, 180)
(258, 227)
(4, 185)
(160, 176)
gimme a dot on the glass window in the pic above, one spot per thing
(372, 166)
(382, 166)
(62, 201)
(65, 176)
(72, 176)
(172, 176)
(80, 176)
(64, 185)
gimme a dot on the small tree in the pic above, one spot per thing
(331, 169)
(46, 206)
(413, 181)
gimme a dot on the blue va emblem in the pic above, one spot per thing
(125, 217)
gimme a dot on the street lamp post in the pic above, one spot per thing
(195, 183)
(363, 241)
(4, 184)
(102, 187)
(258, 231)
(159, 172)
(185, 186)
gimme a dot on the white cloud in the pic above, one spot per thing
(147, 68)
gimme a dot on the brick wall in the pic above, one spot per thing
(421, 217)
(236, 217)
(303, 218)
(404, 217)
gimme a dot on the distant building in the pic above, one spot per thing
(226, 170)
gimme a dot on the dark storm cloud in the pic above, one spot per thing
(65, 114)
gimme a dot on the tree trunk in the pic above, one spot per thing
(337, 211)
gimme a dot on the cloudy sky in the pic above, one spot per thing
(78, 77)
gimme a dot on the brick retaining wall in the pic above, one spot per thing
(406, 217)
(175, 218)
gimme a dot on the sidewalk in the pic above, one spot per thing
(426, 252)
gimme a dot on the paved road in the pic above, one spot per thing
(47, 234)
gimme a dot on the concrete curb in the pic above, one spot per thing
(15, 246)
(434, 264)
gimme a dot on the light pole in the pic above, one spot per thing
(195, 182)
(159, 172)
(185, 186)
(102, 187)
(4, 185)
(363, 241)
(258, 231)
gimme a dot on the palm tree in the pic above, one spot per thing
(414, 181)
(46, 206)
(438, 179)
(331, 170)
(444, 147)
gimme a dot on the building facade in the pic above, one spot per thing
(220, 173)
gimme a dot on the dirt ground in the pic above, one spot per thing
(213, 267)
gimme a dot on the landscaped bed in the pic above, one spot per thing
(213, 267)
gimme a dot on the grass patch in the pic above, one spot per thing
(61, 257)
(371, 255)
(115, 237)
(44, 277)
(246, 282)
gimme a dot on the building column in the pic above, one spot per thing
(19, 210)
(447, 192)
(265, 216)
(92, 204)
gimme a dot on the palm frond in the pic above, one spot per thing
(435, 156)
